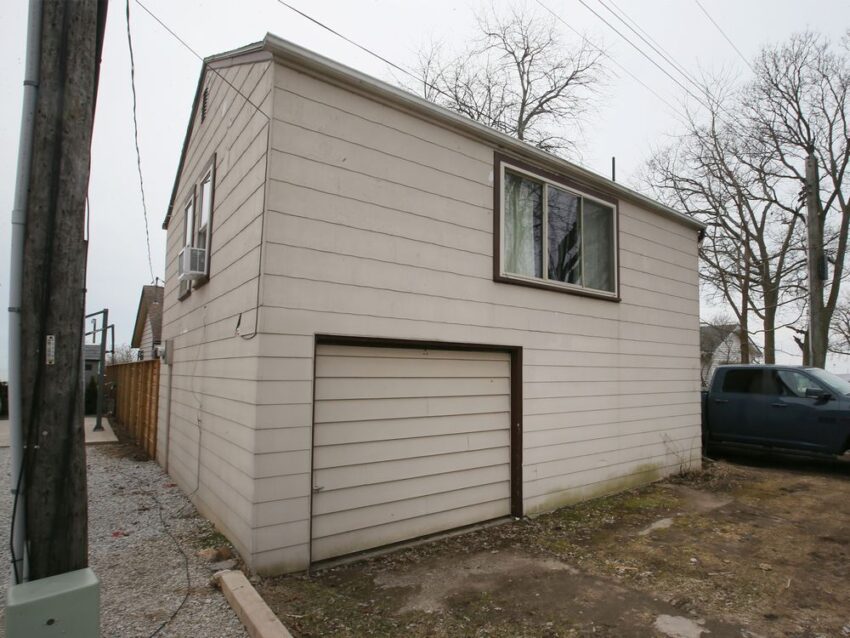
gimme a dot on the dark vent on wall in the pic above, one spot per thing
(204, 101)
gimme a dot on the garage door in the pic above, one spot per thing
(407, 443)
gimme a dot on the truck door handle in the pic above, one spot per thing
(721, 400)
(779, 405)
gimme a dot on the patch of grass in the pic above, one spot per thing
(212, 538)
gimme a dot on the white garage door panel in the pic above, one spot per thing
(354, 367)
(339, 478)
(367, 517)
(366, 495)
(407, 443)
(410, 353)
(392, 388)
(358, 431)
(376, 451)
(330, 546)
(330, 411)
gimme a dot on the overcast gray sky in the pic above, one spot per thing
(629, 119)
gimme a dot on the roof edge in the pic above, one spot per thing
(227, 56)
(289, 53)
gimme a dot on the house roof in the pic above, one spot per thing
(711, 336)
(302, 59)
(150, 309)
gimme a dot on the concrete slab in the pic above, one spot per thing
(92, 437)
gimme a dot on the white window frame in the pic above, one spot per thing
(185, 287)
(205, 227)
(545, 281)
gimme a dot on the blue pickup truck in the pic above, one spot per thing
(793, 408)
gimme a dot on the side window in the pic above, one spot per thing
(751, 381)
(555, 235)
(739, 381)
(205, 216)
(188, 237)
(796, 383)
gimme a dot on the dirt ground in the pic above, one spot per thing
(750, 547)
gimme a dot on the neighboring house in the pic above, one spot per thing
(719, 345)
(402, 322)
(91, 362)
(147, 333)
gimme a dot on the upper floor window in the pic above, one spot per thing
(188, 237)
(554, 235)
(205, 218)
(194, 258)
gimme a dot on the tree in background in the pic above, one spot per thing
(751, 244)
(519, 77)
(123, 354)
(741, 170)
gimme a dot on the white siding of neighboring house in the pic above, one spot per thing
(211, 452)
(146, 344)
(380, 224)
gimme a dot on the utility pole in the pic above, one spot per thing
(817, 264)
(53, 274)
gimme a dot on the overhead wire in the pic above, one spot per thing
(136, 140)
(644, 54)
(649, 41)
(723, 33)
(201, 58)
(612, 59)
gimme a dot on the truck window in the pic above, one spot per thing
(797, 383)
(751, 381)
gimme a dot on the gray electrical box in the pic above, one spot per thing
(66, 605)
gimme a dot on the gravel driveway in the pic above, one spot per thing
(143, 573)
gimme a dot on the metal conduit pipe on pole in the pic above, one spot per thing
(19, 213)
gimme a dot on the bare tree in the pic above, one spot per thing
(520, 77)
(840, 341)
(741, 170)
(750, 246)
(797, 105)
(123, 354)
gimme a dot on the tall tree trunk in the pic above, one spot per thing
(745, 310)
(769, 324)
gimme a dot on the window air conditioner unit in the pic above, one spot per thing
(192, 263)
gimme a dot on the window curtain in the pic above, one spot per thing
(598, 243)
(523, 223)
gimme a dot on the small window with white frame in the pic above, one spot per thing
(554, 235)
(203, 239)
(188, 237)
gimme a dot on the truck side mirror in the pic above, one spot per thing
(820, 396)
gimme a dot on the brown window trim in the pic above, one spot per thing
(515, 353)
(498, 276)
(209, 168)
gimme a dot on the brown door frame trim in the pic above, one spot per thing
(516, 395)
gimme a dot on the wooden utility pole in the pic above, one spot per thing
(817, 330)
(54, 280)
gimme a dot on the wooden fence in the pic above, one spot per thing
(135, 388)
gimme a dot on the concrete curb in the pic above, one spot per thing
(251, 609)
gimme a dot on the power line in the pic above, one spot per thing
(350, 41)
(643, 53)
(669, 59)
(616, 63)
(723, 33)
(200, 57)
(136, 139)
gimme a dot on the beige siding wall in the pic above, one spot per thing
(214, 376)
(380, 224)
